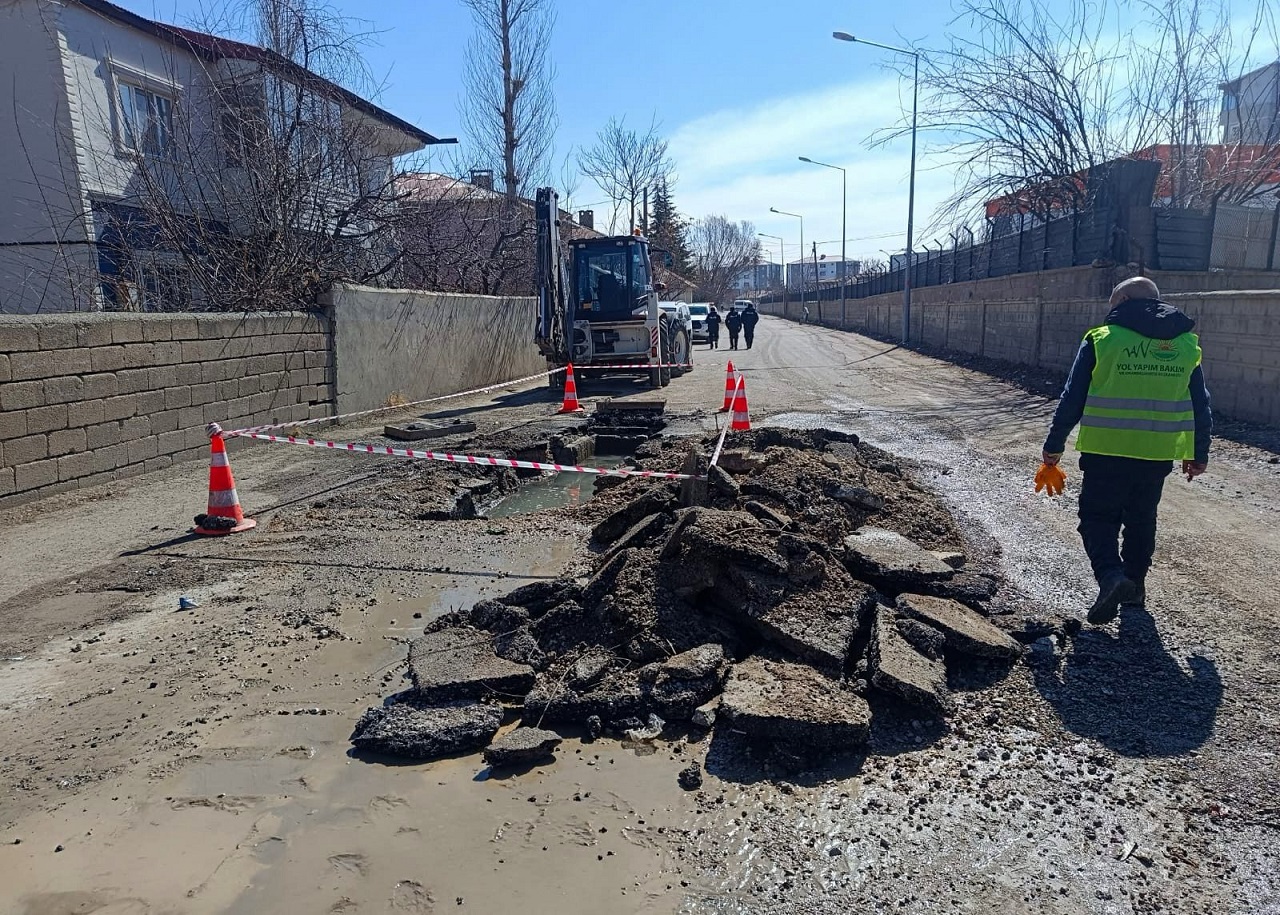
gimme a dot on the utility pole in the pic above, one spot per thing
(817, 287)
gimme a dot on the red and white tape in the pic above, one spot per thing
(404, 406)
(475, 459)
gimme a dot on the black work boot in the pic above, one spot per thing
(1139, 599)
(1113, 591)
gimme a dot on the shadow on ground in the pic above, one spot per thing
(1129, 693)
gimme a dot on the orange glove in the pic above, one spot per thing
(1051, 479)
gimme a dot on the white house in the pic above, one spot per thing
(1251, 108)
(104, 109)
(826, 270)
(761, 276)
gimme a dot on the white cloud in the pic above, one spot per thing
(743, 161)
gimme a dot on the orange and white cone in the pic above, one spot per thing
(730, 387)
(741, 420)
(570, 404)
(225, 515)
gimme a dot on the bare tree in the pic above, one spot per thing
(722, 250)
(626, 163)
(508, 109)
(1028, 96)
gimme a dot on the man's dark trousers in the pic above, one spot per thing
(1120, 492)
(749, 333)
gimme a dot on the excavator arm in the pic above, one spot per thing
(555, 320)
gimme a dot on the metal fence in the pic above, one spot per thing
(1158, 238)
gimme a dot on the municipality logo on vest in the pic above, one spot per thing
(1164, 350)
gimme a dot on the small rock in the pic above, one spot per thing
(595, 727)
(705, 716)
(522, 746)
(858, 497)
(57, 848)
(722, 482)
(690, 778)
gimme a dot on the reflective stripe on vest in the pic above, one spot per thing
(1138, 404)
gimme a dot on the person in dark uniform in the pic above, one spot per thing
(733, 324)
(750, 318)
(713, 327)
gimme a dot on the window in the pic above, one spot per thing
(146, 120)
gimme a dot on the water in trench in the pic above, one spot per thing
(553, 490)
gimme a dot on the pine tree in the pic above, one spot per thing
(668, 229)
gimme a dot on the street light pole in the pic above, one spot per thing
(844, 231)
(911, 192)
(801, 218)
(782, 266)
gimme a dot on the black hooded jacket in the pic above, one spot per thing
(1151, 318)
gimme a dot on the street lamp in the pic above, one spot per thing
(782, 266)
(911, 193)
(801, 218)
(844, 212)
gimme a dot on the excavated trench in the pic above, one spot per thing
(802, 592)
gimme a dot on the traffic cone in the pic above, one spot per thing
(741, 420)
(225, 515)
(730, 387)
(570, 404)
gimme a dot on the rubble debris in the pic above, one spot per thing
(652, 501)
(898, 667)
(414, 728)
(891, 560)
(574, 451)
(722, 482)
(459, 663)
(523, 746)
(964, 630)
(651, 729)
(857, 496)
(923, 637)
(776, 701)
(761, 605)
(704, 716)
(690, 777)
(642, 532)
(768, 515)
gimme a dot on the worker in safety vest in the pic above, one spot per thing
(1138, 393)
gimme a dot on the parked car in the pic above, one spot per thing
(698, 312)
(681, 352)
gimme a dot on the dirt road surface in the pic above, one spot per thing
(159, 760)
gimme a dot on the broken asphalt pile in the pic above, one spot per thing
(804, 577)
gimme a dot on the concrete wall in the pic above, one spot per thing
(95, 397)
(1038, 319)
(420, 344)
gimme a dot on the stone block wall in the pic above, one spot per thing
(1038, 319)
(88, 398)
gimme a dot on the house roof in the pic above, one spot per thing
(214, 47)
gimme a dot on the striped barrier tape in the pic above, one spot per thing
(404, 406)
(720, 444)
(477, 460)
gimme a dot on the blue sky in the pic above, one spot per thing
(741, 87)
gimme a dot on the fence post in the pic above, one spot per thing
(1021, 232)
(1213, 225)
(1275, 238)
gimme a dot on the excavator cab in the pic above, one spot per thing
(610, 278)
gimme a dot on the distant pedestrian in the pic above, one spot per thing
(713, 327)
(806, 312)
(750, 318)
(1138, 393)
(733, 324)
